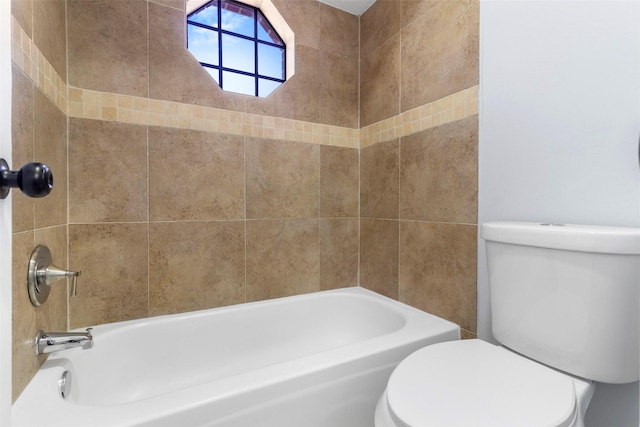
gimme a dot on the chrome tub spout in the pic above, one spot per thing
(49, 342)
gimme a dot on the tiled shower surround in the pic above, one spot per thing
(171, 195)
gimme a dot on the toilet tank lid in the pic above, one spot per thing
(572, 237)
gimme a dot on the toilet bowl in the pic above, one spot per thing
(473, 383)
(564, 307)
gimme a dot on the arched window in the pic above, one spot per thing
(238, 46)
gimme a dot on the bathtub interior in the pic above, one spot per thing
(174, 352)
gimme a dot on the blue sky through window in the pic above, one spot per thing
(236, 43)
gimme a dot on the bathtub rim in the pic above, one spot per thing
(352, 291)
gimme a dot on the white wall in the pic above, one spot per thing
(559, 130)
(5, 216)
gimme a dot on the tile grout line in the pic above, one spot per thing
(66, 89)
(147, 175)
(244, 145)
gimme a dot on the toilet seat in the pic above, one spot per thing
(474, 383)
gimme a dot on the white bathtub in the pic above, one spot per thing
(320, 360)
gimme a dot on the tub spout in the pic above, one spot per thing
(49, 342)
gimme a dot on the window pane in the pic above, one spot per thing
(207, 16)
(265, 87)
(238, 54)
(229, 35)
(238, 83)
(237, 18)
(213, 72)
(203, 44)
(266, 31)
(270, 61)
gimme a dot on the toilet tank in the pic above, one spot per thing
(567, 296)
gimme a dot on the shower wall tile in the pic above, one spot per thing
(413, 9)
(428, 100)
(437, 270)
(468, 335)
(283, 179)
(302, 18)
(298, 98)
(338, 90)
(22, 10)
(339, 169)
(107, 171)
(22, 124)
(52, 315)
(26, 318)
(379, 180)
(176, 4)
(339, 32)
(23, 325)
(440, 53)
(174, 74)
(283, 258)
(457, 106)
(379, 24)
(114, 263)
(195, 175)
(338, 253)
(50, 33)
(380, 83)
(195, 265)
(50, 148)
(108, 46)
(439, 173)
(379, 256)
(338, 182)
(26, 55)
(22, 120)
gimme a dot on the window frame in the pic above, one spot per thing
(257, 15)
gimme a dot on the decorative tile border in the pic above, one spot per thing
(454, 107)
(89, 104)
(26, 55)
(130, 109)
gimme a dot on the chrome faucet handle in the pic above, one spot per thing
(74, 283)
(42, 274)
(51, 274)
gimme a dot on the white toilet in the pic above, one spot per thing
(564, 304)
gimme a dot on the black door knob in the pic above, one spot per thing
(33, 179)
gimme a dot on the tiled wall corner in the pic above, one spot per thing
(39, 133)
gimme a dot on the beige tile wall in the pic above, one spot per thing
(233, 181)
(179, 194)
(416, 52)
(39, 133)
(169, 176)
(419, 144)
